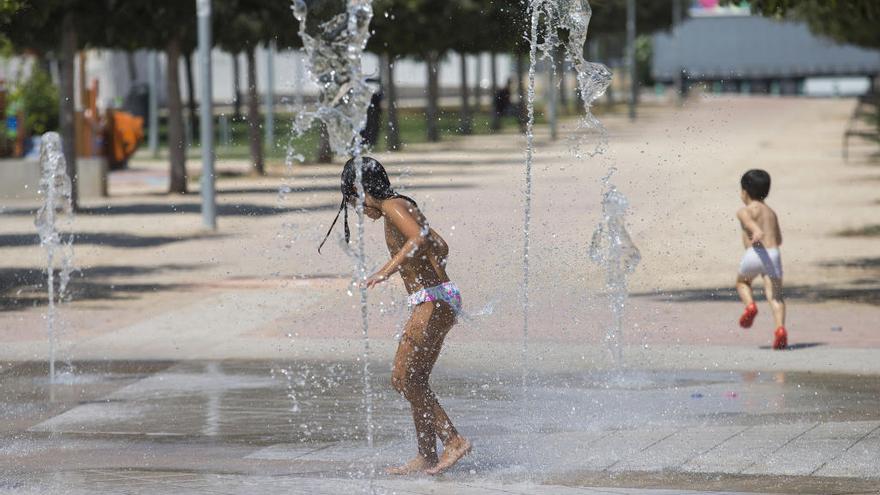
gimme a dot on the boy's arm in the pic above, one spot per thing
(756, 235)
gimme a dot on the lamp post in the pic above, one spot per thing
(631, 57)
(209, 206)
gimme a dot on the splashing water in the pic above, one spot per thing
(550, 22)
(612, 248)
(334, 35)
(56, 189)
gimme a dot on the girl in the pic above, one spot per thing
(419, 254)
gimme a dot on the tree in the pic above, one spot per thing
(391, 39)
(30, 25)
(243, 25)
(170, 26)
(850, 21)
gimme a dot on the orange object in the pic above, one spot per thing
(780, 339)
(123, 133)
(748, 315)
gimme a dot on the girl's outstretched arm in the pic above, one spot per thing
(399, 213)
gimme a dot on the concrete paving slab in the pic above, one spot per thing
(613, 448)
(751, 447)
(816, 448)
(672, 452)
(860, 459)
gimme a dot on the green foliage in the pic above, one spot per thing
(38, 97)
(239, 24)
(847, 21)
(609, 16)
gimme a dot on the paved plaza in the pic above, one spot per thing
(231, 362)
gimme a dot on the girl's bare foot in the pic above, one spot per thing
(417, 465)
(452, 453)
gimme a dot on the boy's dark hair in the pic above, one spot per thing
(376, 184)
(756, 183)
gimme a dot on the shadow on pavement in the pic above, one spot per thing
(108, 239)
(798, 346)
(853, 263)
(26, 287)
(866, 291)
(330, 188)
(227, 209)
(865, 231)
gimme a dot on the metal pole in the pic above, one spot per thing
(631, 56)
(209, 206)
(153, 76)
(270, 96)
(551, 98)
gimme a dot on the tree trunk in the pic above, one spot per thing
(325, 153)
(392, 131)
(176, 139)
(433, 90)
(465, 126)
(191, 96)
(478, 90)
(132, 67)
(560, 72)
(253, 116)
(493, 71)
(67, 112)
(521, 92)
(236, 86)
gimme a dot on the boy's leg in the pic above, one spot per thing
(773, 289)
(744, 289)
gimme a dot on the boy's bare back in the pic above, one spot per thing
(758, 213)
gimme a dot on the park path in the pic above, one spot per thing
(151, 277)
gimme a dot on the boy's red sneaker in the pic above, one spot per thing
(748, 316)
(780, 339)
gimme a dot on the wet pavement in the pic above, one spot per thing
(264, 427)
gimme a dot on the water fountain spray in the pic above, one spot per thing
(558, 24)
(612, 248)
(334, 35)
(57, 209)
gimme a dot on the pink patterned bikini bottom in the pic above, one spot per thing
(447, 293)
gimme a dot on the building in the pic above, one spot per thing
(728, 50)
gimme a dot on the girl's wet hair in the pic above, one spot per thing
(376, 184)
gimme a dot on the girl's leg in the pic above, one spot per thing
(416, 355)
(412, 365)
(455, 446)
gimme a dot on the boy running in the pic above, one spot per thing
(761, 238)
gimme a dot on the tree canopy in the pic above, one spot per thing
(847, 21)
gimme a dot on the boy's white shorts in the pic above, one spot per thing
(759, 260)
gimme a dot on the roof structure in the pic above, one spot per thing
(754, 47)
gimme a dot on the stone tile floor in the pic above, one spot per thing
(259, 427)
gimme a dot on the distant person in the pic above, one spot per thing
(370, 132)
(502, 104)
(419, 254)
(761, 238)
